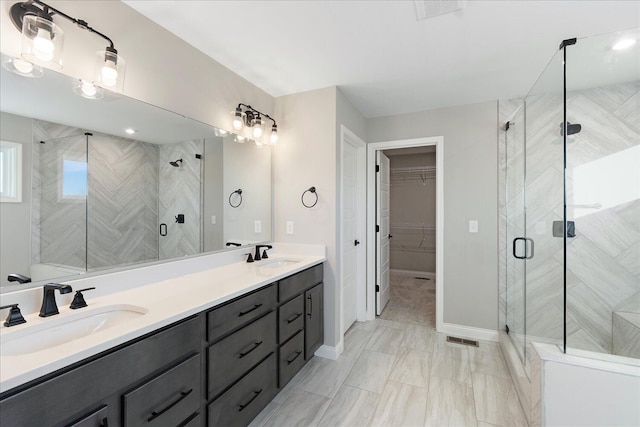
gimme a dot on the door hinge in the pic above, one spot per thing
(377, 228)
(377, 168)
(377, 288)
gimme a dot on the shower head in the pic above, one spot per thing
(176, 164)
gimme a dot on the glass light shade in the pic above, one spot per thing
(109, 70)
(23, 68)
(42, 42)
(274, 135)
(238, 116)
(87, 90)
(257, 131)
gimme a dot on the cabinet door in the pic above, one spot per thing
(313, 320)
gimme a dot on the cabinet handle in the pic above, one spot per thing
(310, 305)
(253, 347)
(255, 394)
(291, 360)
(255, 307)
(105, 422)
(293, 317)
(155, 414)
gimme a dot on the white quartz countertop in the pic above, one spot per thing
(165, 302)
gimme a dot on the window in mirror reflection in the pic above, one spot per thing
(10, 172)
(74, 179)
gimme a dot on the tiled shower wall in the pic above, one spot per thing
(123, 201)
(122, 204)
(181, 193)
(603, 267)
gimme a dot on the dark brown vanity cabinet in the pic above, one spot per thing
(218, 368)
(153, 380)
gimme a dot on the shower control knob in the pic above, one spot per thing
(356, 242)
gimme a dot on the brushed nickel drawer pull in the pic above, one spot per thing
(255, 307)
(155, 414)
(256, 393)
(253, 347)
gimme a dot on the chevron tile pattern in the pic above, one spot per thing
(603, 267)
(123, 202)
(180, 193)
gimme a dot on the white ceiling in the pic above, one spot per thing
(382, 57)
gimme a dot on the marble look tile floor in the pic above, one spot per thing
(398, 371)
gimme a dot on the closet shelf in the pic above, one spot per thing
(422, 173)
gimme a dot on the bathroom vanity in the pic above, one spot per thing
(219, 366)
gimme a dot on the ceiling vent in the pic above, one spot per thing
(429, 8)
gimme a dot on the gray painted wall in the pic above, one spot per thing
(470, 193)
(15, 250)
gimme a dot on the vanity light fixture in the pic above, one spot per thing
(23, 68)
(87, 90)
(43, 39)
(253, 121)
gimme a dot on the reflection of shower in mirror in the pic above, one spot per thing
(176, 164)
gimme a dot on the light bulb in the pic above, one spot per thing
(257, 131)
(88, 89)
(43, 47)
(237, 123)
(274, 134)
(109, 73)
(624, 44)
(23, 66)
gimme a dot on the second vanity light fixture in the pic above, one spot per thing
(43, 40)
(252, 121)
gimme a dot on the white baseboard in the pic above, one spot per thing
(331, 353)
(412, 273)
(470, 332)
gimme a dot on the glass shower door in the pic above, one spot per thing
(515, 224)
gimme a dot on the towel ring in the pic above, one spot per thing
(239, 192)
(311, 190)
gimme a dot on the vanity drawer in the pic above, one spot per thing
(98, 418)
(168, 399)
(291, 318)
(239, 312)
(231, 357)
(298, 283)
(291, 358)
(242, 402)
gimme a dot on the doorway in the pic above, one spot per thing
(423, 237)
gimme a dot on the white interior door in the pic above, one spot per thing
(383, 292)
(349, 234)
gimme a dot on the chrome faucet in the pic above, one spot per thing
(49, 306)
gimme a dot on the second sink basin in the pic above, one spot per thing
(279, 262)
(55, 332)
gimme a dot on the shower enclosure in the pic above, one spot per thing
(570, 202)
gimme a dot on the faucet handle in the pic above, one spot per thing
(250, 258)
(78, 299)
(14, 317)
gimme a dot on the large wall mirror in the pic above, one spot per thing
(95, 197)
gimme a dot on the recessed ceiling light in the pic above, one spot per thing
(624, 43)
(130, 131)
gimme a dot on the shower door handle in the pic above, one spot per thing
(527, 254)
(163, 229)
(515, 244)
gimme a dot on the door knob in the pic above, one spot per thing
(356, 242)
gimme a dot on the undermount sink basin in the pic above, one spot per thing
(54, 332)
(279, 262)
